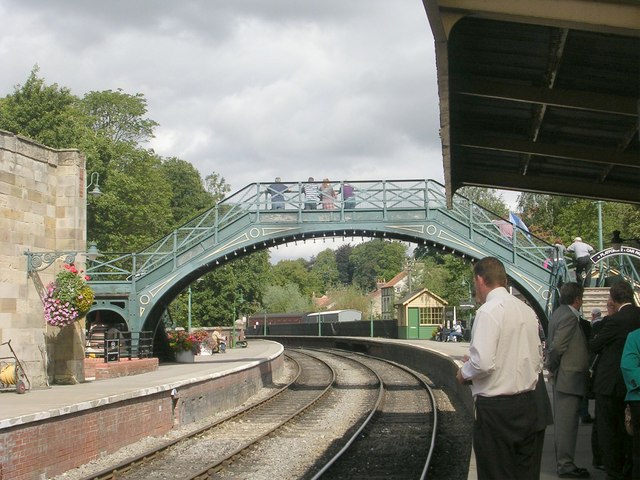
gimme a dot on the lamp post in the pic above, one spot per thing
(233, 341)
(371, 318)
(189, 312)
(265, 323)
(95, 193)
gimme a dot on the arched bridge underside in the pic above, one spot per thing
(139, 286)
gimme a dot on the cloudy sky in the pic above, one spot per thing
(250, 89)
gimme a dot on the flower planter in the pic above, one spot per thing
(185, 357)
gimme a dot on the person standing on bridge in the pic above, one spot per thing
(503, 368)
(582, 252)
(311, 194)
(277, 191)
(328, 195)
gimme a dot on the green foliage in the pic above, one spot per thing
(134, 210)
(350, 297)
(48, 114)
(118, 116)
(374, 260)
(217, 186)
(487, 198)
(286, 299)
(344, 265)
(325, 270)
(188, 195)
(297, 273)
(563, 218)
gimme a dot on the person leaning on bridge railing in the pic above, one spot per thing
(311, 193)
(277, 191)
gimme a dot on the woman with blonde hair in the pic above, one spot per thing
(328, 195)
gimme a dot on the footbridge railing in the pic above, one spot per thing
(412, 210)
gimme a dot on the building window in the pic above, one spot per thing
(431, 315)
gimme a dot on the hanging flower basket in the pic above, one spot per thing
(68, 298)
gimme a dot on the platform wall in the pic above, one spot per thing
(49, 447)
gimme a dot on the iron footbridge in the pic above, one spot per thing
(139, 286)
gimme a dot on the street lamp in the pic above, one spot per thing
(94, 180)
(233, 342)
(189, 312)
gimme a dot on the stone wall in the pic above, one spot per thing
(42, 209)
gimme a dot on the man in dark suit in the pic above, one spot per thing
(609, 387)
(569, 366)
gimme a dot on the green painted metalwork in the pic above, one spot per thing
(143, 283)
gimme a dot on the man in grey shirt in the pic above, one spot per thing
(582, 252)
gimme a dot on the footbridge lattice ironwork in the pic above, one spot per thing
(139, 286)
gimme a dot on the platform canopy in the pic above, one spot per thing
(540, 96)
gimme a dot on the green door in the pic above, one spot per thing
(413, 323)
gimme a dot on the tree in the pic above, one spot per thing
(295, 272)
(118, 116)
(134, 210)
(48, 114)
(286, 299)
(188, 195)
(344, 265)
(217, 186)
(350, 297)
(325, 270)
(487, 198)
(376, 259)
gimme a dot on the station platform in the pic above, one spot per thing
(47, 431)
(457, 350)
(174, 388)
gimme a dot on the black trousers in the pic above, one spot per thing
(583, 271)
(615, 444)
(506, 438)
(635, 450)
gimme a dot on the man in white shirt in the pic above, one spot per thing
(582, 252)
(503, 367)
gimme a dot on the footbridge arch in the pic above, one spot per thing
(141, 285)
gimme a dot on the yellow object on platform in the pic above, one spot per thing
(8, 374)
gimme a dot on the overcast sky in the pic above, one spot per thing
(250, 89)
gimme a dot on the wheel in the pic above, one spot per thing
(21, 387)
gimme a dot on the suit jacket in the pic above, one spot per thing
(608, 344)
(568, 352)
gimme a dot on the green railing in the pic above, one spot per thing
(383, 197)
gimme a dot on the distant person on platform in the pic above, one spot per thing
(311, 193)
(568, 363)
(582, 252)
(456, 332)
(502, 370)
(277, 191)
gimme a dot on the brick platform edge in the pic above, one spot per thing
(52, 446)
(97, 369)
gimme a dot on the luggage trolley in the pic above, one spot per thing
(12, 374)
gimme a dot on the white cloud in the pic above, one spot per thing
(250, 89)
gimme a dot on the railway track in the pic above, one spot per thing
(343, 416)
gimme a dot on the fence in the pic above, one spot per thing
(112, 345)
